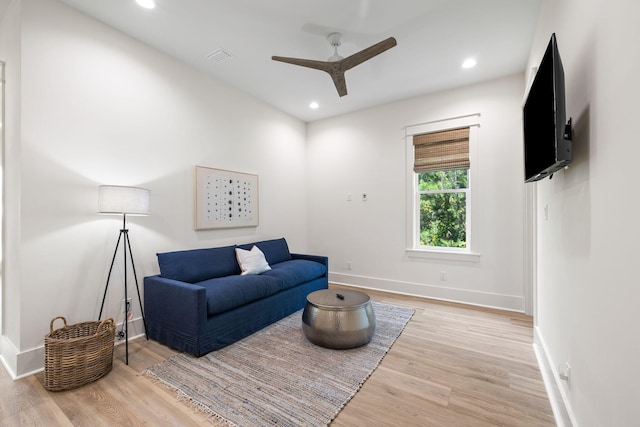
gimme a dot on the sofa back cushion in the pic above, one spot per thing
(274, 251)
(196, 265)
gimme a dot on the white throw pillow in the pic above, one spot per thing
(253, 261)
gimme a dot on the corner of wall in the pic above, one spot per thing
(8, 356)
(21, 364)
(558, 399)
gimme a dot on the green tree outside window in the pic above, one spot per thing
(443, 208)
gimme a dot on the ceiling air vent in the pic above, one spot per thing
(219, 55)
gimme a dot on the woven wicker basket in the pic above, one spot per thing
(77, 354)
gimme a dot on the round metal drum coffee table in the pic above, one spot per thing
(338, 319)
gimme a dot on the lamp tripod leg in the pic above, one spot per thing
(126, 296)
(135, 276)
(106, 287)
(127, 249)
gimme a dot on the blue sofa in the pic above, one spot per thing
(200, 302)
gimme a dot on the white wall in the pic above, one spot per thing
(588, 289)
(100, 108)
(364, 152)
(10, 48)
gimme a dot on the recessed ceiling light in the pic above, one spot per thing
(469, 63)
(147, 4)
(314, 105)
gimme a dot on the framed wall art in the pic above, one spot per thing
(225, 199)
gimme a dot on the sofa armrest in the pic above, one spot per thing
(178, 305)
(317, 258)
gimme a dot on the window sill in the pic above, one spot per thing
(443, 255)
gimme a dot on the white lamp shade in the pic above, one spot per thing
(114, 199)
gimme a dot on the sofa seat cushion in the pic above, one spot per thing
(294, 272)
(226, 293)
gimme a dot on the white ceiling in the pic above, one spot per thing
(434, 37)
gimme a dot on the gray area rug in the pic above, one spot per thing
(277, 377)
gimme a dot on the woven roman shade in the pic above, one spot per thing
(441, 150)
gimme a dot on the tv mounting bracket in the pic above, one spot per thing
(568, 133)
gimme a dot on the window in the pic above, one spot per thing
(440, 196)
(443, 208)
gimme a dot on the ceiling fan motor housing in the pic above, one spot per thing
(336, 42)
(335, 39)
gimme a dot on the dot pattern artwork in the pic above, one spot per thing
(228, 199)
(225, 199)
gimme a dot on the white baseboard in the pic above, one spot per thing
(136, 330)
(465, 296)
(8, 357)
(555, 389)
(20, 364)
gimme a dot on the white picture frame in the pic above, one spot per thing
(225, 199)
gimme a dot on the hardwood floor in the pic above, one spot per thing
(453, 365)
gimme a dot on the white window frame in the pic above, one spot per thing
(413, 249)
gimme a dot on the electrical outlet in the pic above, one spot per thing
(564, 371)
(126, 306)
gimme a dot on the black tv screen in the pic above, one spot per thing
(547, 135)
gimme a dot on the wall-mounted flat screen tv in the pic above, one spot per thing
(547, 135)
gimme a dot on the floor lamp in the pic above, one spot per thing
(118, 200)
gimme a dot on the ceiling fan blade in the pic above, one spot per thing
(366, 54)
(336, 69)
(309, 63)
(332, 68)
(340, 82)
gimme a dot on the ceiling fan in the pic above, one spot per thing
(336, 65)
